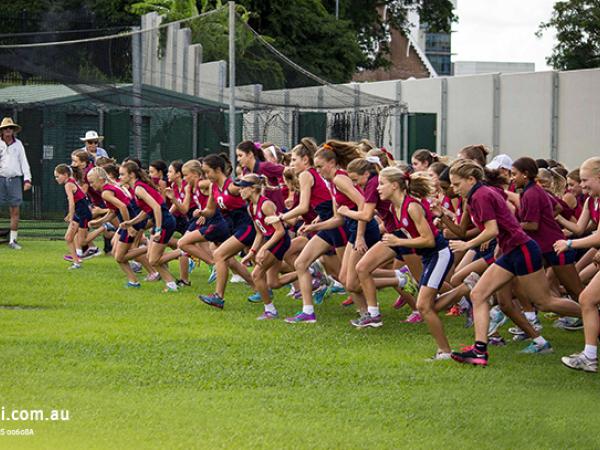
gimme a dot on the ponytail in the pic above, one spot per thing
(140, 174)
(418, 184)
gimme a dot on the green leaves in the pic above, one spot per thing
(577, 25)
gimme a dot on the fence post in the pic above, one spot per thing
(554, 124)
(444, 118)
(496, 120)
(397, 115)
(136, 54)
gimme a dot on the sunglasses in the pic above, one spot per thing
(92, 142)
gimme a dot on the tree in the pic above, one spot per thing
(577, 24)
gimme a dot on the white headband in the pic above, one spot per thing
(373, 160)
(272, 150)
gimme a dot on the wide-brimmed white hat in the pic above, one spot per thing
(500, 162)
(91, 136)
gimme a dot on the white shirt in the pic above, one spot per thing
(14, 162)
(99, 152)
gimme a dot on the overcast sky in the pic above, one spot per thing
(502, 30)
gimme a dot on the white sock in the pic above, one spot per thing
(590, 351)
(464, 303)
(79, 252)
(271, 308)
(530, 316)
(373, 310)
(401, 278)
(13, 235)
(308, 309)
(172, 285)
(539, 340)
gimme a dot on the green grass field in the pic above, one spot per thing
(142, 369)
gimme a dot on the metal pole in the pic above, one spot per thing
(337, 9)
(232, 140)
(136, 50)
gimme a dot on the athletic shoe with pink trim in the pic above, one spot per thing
(470, 355)
(348, 301)
(415, 317)
(267, 315)
(400, 302)
(302, 317)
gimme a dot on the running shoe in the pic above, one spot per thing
(135, 266)
(348, 301)
(152, 277)
(470, 355)
(367, 320)
(337, 288)
(414, 317)
(400, 302)
(74, 266)
(109, 226)
(407, 282)
(497, 319)
(497, 341)
(440, 356)
(170, 290)
(68, 257)
(213, 300)
(302, 317)
(267, 315)
(579, 361)
(320, 294)
(191, 265)
(14, 245)
(235, 278)
(91, 252)
(540, 349)
(574, 325)
(183, 283)
(535, 323)
(468, 312)
(316, 283)
(213, 275)
(132, 285)
(256, 298)
(454, 311)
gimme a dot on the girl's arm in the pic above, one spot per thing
(184, 206)
(593, 240)
(306, 183)
(110, 197)
(269, 209)
(143, 195)
(582, 223)
(211, 207)
(490, 231)
(425, 239)
(70, 189)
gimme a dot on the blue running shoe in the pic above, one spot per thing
(256, 298)
(267, 315)
(191, 265)
(497, 319)
(338, 289)
(542, 349)
(320, 294)
(213, 275)
(131, 284)
(213, 300)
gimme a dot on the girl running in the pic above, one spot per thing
(78, 216)
(521, 258)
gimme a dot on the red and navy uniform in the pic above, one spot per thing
(537, 207)
(214, 229)
(273, 172)
(581, 198)
(520, 254)
(371, 235)
(94, 196)
(438, 259)
(235, 213)
(168, 221)
(258, 217)
(381, 206)
(593, 204)
(181, 219)
(132, 209)
(321, 203)
(83, 213)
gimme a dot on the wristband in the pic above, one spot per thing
(253, 251)
(570, 243)
(157, 229)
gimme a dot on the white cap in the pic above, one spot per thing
(91, 136)
(500, 162)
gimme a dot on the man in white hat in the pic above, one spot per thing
(92, 141)
(13, 168)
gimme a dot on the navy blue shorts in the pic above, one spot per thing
(283, 245)
(245, 234)
(167, 229)
(181, 224)
(402, 251)
(487, 255)
(372, 234)
(216, 231)
(565, 258)
(336, 237)
(83, 213)
(522, 260)
(436, 266)
(125, 237)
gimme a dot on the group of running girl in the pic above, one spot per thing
(490, 241)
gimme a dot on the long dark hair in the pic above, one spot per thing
(139, 173)
(252, 147)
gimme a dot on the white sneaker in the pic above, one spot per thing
(440, 356)
(14, 245)
(235, 278)
(579, 361)
(471, 280)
